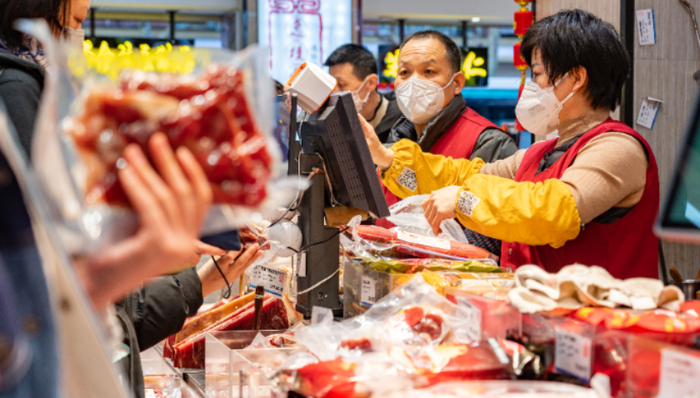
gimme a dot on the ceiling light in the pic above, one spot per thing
(476, 19)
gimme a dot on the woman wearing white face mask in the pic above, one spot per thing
(589, 196)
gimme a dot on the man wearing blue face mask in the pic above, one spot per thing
(429, 87)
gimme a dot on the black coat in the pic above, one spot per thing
(21, 84)
(154, 313)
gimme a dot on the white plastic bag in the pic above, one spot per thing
(408, 216)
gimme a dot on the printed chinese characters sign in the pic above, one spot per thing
(298, 31)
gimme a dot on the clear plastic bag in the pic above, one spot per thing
(71, 89)
(500, 389)
(377, 244)
(413, 335)
(408, 216)
(412, 315)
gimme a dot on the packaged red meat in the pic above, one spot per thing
(490, 318)
(499, 389)
(371, 241)
(220, 111)
(662, 325)
(276, 314)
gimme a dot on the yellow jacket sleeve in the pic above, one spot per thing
(414, 172)
(537, 214)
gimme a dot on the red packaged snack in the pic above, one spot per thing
(329, 379)
(414, 245)
(210, 115)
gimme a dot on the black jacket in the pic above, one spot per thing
(156, 312)
(393, 113)
(21, 84)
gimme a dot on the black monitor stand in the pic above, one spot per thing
(321, 260)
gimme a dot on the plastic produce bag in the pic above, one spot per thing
(408, 216)
(215, 102)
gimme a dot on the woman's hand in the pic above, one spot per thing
(441, 205)
(233, 264)
(382, 156)
(171, 201)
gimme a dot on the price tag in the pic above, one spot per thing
(646, 27)
(647, 114)
(301, 264)
(424, 240)
(573, 354)
(473, 318)
(679, 375)
(150, 393)
(368, 292)
(272, 279)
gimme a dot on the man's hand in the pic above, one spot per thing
(233, 264)
(440, 206)
(382, 157)
(171, 202)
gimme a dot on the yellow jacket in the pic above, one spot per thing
(542, 213)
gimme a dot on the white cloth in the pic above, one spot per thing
(577, 286)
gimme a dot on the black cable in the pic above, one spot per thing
(310, 245)
(228, 285)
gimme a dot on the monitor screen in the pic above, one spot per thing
(680, 216)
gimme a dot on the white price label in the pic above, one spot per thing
(424, 240)
(647, 113)
(679, 375)
(368, 291)
(573, 354)
(473, 318)
(272, 279)
(646, 27)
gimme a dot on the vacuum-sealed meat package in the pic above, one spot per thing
(210, 115)
(216, 103)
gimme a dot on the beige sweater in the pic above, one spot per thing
(609, 171)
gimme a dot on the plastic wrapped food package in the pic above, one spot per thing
(500, 389)
(413, 333)
(219, 110)
(490, 318)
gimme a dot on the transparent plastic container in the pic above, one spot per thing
(160, 379)
(234, 371)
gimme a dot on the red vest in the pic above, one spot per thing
(458, 143)
(627, 248)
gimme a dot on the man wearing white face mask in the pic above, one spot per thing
(355, 69)
(429, 87)
(589, 196)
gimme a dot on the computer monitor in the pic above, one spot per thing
(332, 141)
(335, 133)
(679, 219)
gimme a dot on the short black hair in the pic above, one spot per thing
(577, 38)
(54, 12)
(362, 61)
(454, 54)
